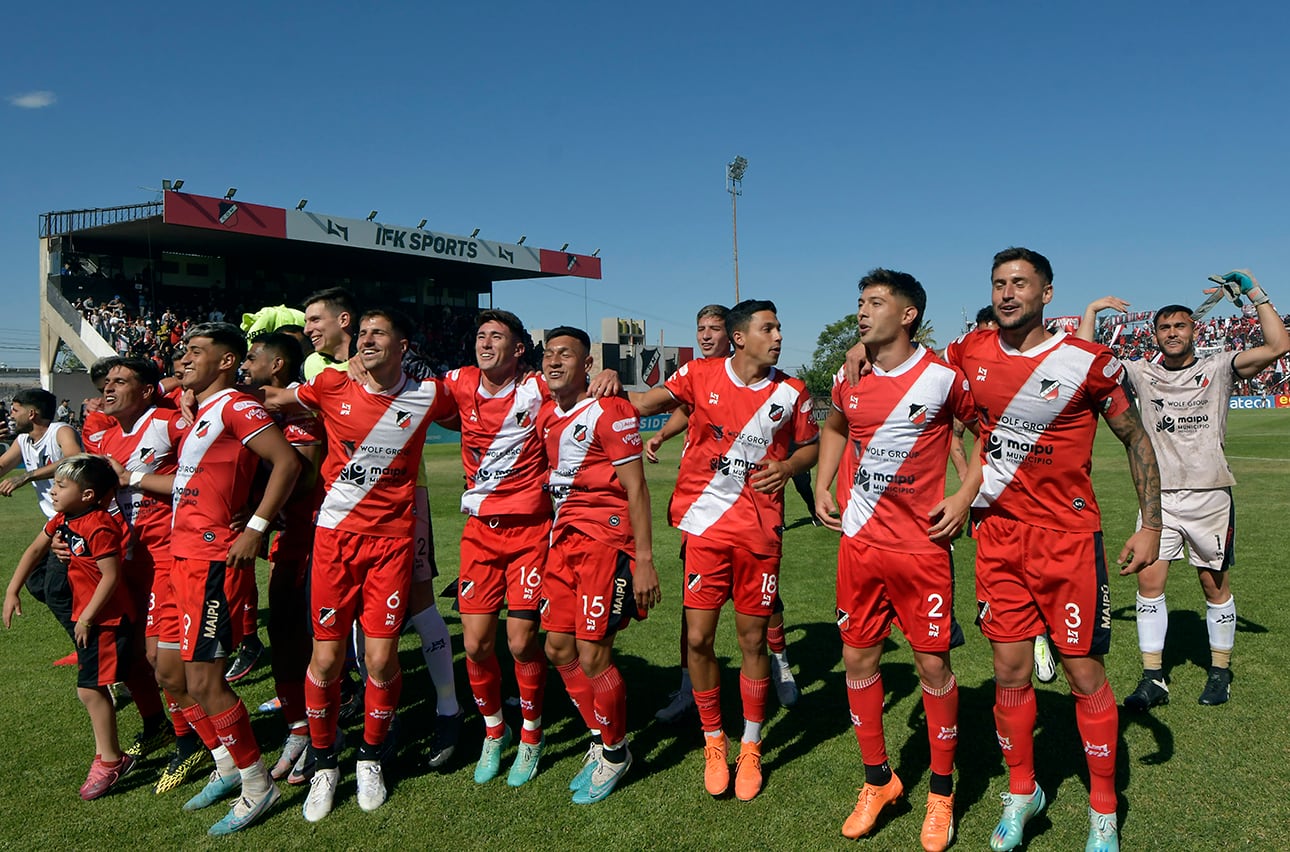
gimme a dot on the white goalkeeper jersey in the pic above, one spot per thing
(1185, 413)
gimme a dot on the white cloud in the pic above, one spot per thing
(33, 100)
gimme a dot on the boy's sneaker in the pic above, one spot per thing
(443, 740)
(245, 812)
(1017, 811)
(869, 805)
(102, 777)
(292, 748)
(1103, 833)
(938, 825)
(583, 778)
(682, 702)
(781, 675)
(371, 785)
(248, 654)
(1218, 687)
(604, 778)
(148, 741)
(525, 766)
(490, 756)
(748, 771)
(322, 792)
(716, 763)
(1152, 690)
(1045, 660)
(217, 787)
(180, 769)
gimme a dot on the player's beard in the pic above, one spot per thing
(1022, 319)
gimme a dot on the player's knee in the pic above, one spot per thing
(479, 646)
(594, 659)
(699, 640)
(522, 645)
(327, 662)
(558, 651)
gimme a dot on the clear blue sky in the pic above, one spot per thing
(1140, 146)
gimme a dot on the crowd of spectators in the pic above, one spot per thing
(1134, 340)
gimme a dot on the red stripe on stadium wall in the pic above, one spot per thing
(564, 263)
(217, 214)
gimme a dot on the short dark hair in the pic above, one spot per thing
(89, 471)
(397, 320)
(741, 314)
(144, 370)
(721, 312)
(45, 403)
(569, 331)
(337, 299)
(900, 284)
(99, 369)
(985, 315)
(285, 347)
(1168, 311)
(506, 318)
(221, 334)
(1034, 258)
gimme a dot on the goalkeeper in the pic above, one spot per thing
(1184, 404)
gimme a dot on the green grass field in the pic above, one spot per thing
(1190, 777)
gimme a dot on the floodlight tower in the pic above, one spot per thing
(735, 186)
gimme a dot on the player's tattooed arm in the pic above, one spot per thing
(1143, 547)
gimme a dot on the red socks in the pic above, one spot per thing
(942, 709)
(486, 684)
(381, 699)
(708, 702)
(1098, 721)
(580, 692)
(864, 697)
(530, 677)
(322, 702)
(235, 734)
(611, 705)
(1014, 720)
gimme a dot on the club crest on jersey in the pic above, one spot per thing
(326, 615)
(147, 455)
(1201, 380)
(693, 582)
(1049, 389)
(543, 605)
(350, 448)
(403, 419)
(580, 432)
(718, 432)
(917, 414)
(465, 588)
(776, 412)
(524, 419)
(202, 428)
(843, 617)
(74, 542)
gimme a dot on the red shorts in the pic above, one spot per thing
(502, 558)
(105, 659)
(163, 612)
(716, 573)
(877, 587)
(367, 577)
(1029, 579)
(210, 598)
(587, 587)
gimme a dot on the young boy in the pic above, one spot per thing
(101, 606)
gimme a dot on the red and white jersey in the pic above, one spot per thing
(149, 447)
(374, 446)
(1038, 413)
(900, 426)
(214, 474)
(583, 446)
(500, 450)
(735, 429)
(92, 536)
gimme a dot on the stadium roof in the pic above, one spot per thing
(197, 224)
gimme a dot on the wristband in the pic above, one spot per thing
(257, 523)
(1257, 297)
(136, 478)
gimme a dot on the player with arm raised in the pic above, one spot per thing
(714, 342)
(1040, 563)
(745, 415)
(600, 569)
(1184, 402)
(894, 561)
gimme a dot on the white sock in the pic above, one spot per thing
(255, 781)
(223, 761)
(1220, 620)
(493, 720)
(533, 724)
(436, 647)
(1153, 622)
(752, 732)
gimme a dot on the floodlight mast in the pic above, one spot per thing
(735, 186)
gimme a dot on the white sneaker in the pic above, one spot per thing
(371, 785)
(682, 702)
(322, 792)
(293, 750)
(1045, 660)
(782, 677)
